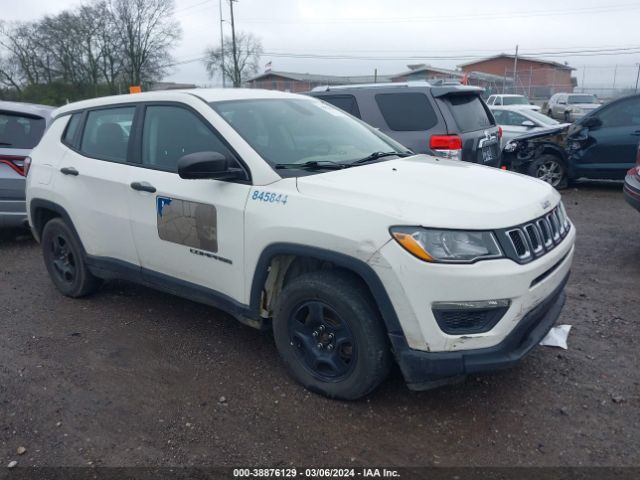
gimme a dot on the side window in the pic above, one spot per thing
(171, 132)
(498, 101)
(622, 114)
(490, 100)
(407, 112)
(514, 119)
(500, 116)
(106, 134)
(347, 103)
(69, 136)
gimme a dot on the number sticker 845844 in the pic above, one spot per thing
(269, 197)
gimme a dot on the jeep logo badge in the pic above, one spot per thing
(546, 204)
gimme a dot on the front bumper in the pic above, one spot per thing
(632, 191)
(425, 370)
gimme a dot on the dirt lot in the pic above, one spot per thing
(130, 376)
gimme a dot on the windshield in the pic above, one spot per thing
(582, 99)
(542, 118)
(515, 100)
(292, 131)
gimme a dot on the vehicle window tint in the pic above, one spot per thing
(513, 118)
(71, 130)
(469, 112)
(20, 131)
(406, 111)
(625, 113)
(500, 116)
(171, 132)
(490, 100)
(344, 102)
(498, 101)
(106, 133)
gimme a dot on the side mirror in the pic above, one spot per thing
(592, 122)
(528, 124)
(212, 165)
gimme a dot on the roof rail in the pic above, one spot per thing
(415, 83)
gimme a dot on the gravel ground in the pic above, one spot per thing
(131, 376)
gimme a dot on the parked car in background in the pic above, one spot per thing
(540, 154)
(292, 215)
(603, 143)
(516, 121)
(511, 100)
(568, 107)
(21, 127)
(450, 121)
(632, 184)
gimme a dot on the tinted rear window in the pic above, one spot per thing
(406, 112)
(344, 102)
(20, 131)
(469, 112)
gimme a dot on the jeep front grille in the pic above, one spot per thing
(534, 239)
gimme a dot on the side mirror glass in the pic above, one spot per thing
(211, 165)
(592, 122)
(528, 124)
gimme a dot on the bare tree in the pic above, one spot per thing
(147, 32)
(248, 53)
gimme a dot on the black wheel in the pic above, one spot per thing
(64, 260)
(550, 169)
(331, 336)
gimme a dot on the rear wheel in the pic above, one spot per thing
(330, 335)
(551, 169)
(65, 262)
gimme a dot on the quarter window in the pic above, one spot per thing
(72, 129)
(406, 112)
(171, 132)
(344, 102)
(106, 134)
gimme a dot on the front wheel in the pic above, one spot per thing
(550, 169)
(331, 336)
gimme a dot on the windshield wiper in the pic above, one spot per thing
(314, 164)
(377, 155)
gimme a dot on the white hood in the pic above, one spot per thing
(433, 192)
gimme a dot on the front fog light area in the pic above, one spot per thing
(461, 318)
(447, 246)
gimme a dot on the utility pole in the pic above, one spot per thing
(515, 72)
(236, 73)
(637, 77)
(222, 47)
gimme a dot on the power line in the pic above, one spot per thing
(475, 16)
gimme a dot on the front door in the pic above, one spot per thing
(611, 148)
(186, 230)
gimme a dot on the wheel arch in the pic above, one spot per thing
(41, 211)
(359, 268)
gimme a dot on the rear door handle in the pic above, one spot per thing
(143, 187)
(69, 171)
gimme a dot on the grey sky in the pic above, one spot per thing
(400, 28)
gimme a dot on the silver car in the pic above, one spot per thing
(569, 107)
(516, 122)
(21, 127)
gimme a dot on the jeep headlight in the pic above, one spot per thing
(447, 246)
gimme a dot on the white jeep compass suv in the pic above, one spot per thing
(289, 213)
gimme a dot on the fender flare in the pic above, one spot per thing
(359, 267)
(36, 221)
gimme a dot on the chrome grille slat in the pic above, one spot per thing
(541, 235)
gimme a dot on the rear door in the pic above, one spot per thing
(610, 149)
(467, 115)
(93, 174)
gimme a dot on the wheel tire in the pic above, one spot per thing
(550, 114)
(64, 259)
(551, 169)
(325, 303)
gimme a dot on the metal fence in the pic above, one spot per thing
(605, 81)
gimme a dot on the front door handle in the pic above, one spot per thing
(69, 171)
(143, 187)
